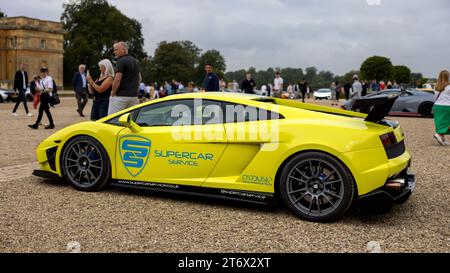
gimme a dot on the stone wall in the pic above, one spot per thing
(34, 42)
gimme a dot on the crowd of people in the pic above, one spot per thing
(44, 92)
(120, 87)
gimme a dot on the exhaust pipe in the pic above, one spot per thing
(395, 184)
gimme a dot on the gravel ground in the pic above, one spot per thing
(41, 216)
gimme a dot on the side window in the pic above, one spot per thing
(208, 112)
(169, 113)
(115, 121)
(235, 113)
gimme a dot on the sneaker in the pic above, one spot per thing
(30, 115)
(439, 139)
(33, 126)
(14, 114)
(446, 143)
(49, 127)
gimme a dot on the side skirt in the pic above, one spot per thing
(245, 196)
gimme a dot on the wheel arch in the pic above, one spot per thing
(64, 146)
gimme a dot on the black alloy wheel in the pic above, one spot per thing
(85, 164)
(317, 187)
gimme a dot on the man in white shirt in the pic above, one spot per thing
(277, 85)
(355, 93)
(47, 92)
(235, 86)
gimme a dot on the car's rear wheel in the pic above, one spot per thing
(85, 164)
(316, 186)
(426, 110)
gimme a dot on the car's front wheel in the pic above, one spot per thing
(316, 186)
(85, 164)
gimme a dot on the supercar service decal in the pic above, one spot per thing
(135, 153)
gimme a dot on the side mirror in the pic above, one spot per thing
(127, 121)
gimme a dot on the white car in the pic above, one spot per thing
(10, 95)
(322, 94)
(261, 92)
(6, 95)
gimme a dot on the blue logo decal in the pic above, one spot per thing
(134, 152)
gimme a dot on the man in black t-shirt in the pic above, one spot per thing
(125, 87)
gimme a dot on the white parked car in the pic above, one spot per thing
(261, 92)
(324, 93)
(10, 95)
(6, 95)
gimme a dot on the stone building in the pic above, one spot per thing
(34, 42)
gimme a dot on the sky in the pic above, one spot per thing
(334, 35)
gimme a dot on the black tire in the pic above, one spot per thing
(317, 176)
(85, 164)
(426, 109)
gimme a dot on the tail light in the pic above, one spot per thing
(388, 139)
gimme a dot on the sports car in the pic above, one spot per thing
(322, 94)
(10, 95)
(7, 95)
(316, 159)
(410, 102)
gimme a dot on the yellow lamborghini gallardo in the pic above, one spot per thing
(317, 160)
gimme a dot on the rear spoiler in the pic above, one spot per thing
(377, 107)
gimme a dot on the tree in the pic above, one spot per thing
(348, 77)
(421, 82)
(291, 75)
(310, 74)
(415, 78)
(401, 74)
(175, 61)
(376, 68)
(2, 15)
(216, 60)
(93, 26)
(322, 80)
(148, 70)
